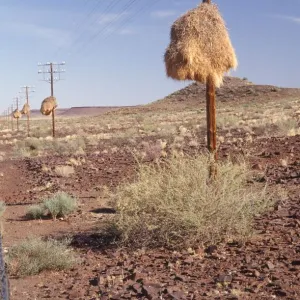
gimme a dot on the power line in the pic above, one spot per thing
(80, 23)
(107, 10)
(94, 9)
(127, 5)
(125, 22)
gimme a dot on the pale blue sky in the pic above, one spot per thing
(109, 63)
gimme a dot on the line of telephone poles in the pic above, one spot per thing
(51, 72)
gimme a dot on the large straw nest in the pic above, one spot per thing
(48, 105)
(200, 46)
(26, 109)
(17, 114)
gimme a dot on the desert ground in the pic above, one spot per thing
(98, 152)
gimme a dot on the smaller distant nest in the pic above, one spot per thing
(26, 109)
(48, 105)
(17, 114)
(200, 46)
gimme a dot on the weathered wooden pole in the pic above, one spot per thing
(28, 117)
(52, 94)
(211, 121)
(17, 110)
(12, 117)
(211, 125)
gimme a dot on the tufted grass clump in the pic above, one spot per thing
(59, 205)
(34, 255)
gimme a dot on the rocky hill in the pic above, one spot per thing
(234, 89)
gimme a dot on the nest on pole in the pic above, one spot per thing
(48, 105)
(26, 109)
(200, 46)
(17, 114)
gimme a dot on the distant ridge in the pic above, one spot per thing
(80, 111)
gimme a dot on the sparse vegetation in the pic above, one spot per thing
(64, 171)
(41, 146)
(169, 205)
(35, 212)
(35, 255)
(172, 204)
(2, 208)
(59, 205)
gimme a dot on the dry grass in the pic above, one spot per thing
(64, 171)
(2, 208)
(173, 206)
(42, 146)
(34, 255)
(35, 212)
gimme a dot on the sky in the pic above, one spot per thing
(114, 49)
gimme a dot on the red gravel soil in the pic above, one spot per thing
(265, 267)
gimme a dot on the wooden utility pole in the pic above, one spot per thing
(12, 117)
(17, 107)
(211, 125)
(28, 113)
(52, 94)
(211, 120)
(48, 68)
(27, 90)
(7, 118)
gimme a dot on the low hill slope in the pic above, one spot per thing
(234, 89)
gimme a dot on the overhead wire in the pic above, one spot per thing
(107, 10)
(143, 9)
(139, 12)
(87, 17)
(128, 5)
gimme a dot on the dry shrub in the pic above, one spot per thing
(151, 151)
(28, 147)
(172, 205)
(69, 147)
(34, 255)
(34, 146)
(60, 205)
(35, 212)
(64, 171)
(200, 46)
(2, 208)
